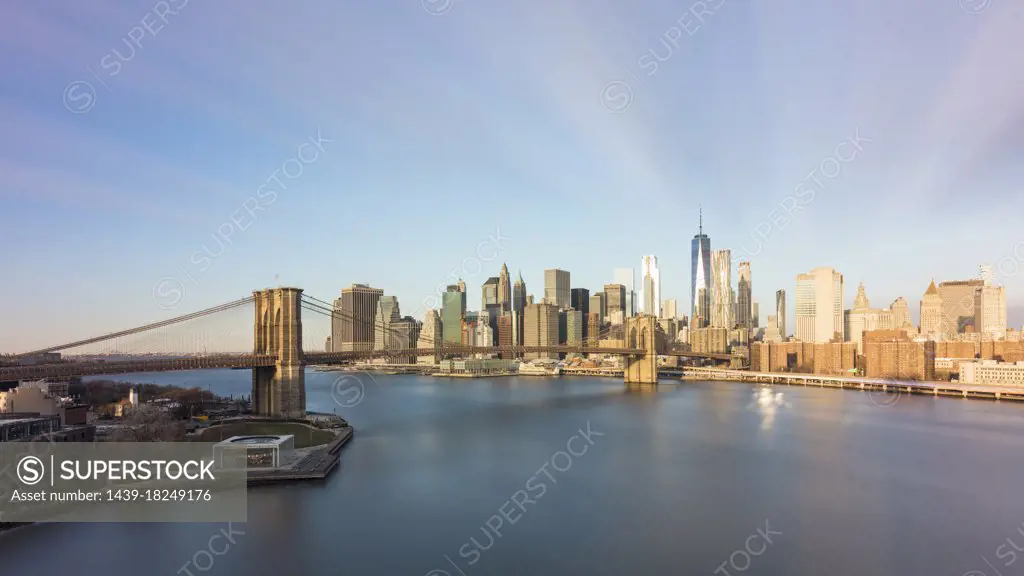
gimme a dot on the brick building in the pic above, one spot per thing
(893, 354)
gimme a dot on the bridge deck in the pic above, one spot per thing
(92, 368)
(69, 369)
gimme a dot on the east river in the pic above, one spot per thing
(514, 476)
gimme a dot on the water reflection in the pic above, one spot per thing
(767, 403)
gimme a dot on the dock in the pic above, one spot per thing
(610, 372)
(316, 465)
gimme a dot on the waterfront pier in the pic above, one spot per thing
(894, 386)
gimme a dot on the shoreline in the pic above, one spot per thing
(895, 387)
(497, 375)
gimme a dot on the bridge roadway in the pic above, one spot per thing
(335, 357)
(891, 385)
(69, 369)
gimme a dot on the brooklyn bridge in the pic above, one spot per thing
(278, 359)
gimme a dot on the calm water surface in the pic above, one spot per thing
(672, 482)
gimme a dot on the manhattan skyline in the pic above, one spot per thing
(453, 119)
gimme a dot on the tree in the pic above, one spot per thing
(149, 424)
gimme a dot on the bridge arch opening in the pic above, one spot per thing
(275, 343)
(632, 338)
(263, 345)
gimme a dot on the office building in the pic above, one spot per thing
(506, 333)
(863, 318)
(518, 327)
(617, 318)
(771, 332)
(352, 325)
(670, 309)
(453, 312)
(931, 313)
(990, 307)
(404, 334)
(710, 340)
(490, 293)
(387, 312)
(646, 295)
(651, 285)
(574, 320)
(739, 337)
(615, 304)
(901, 315)
(780, 312)
(518, 308)
(519, 294)
(755, 314)
(990, 312)
(598, 305)
(700, 278)
(490, 315)
(483, 335)
(556, 288)
(579, 299)
(430, 335)
(744, 297)
(819, 306)
(490, 303)
(504, 290)
(624, 276)
(489, 318)
(957, 305)
(721, 289)
(541, 329)
(992, 373)
(669, 327)
(593, 327)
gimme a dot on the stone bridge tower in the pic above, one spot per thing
(279, 391)
(641, 332)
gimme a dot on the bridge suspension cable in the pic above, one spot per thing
(318, 306)
(147, 327)
(321, 307)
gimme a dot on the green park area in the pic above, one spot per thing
(305, 436)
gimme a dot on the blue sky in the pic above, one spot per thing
(437, 130)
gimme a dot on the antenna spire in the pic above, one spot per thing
(700, 225)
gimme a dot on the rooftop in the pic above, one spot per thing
(11, 421)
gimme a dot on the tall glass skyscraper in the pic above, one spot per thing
(453, 311)
(722, 296)
(650, 278)
(700, 278)
(780, 312)
(744, 300)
